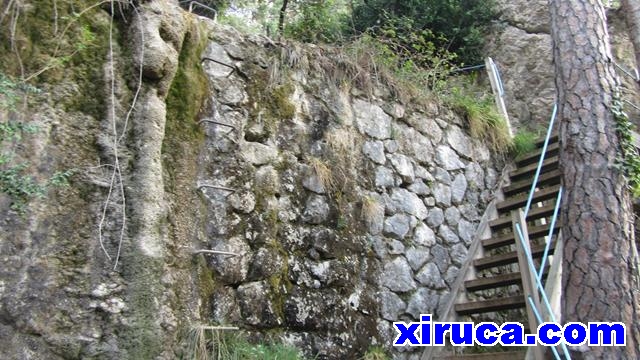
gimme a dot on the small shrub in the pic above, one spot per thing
(370, 209)
(461, 24)
(524, 142)
(14, 179)
(483, 119)
(376, 353)
(323, 173)
(318, 22)
(206, 344)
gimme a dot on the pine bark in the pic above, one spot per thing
(600, 265)
(631, 10)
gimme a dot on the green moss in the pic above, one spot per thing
(142, 337)
(187, 95)
(280, 284)
(272, 103)
(68, 44)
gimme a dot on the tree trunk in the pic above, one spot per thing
(283, 11)
(600, 265)
(631, 9)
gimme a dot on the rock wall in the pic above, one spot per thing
(520, 44)
(348, 211)
(95, 270)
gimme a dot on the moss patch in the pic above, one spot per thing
(187, 96)
(271, 103)
(67, 43)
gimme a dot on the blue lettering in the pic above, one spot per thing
(549, 334)
(406, 334)
(574, 333)
(441, 330)
(487, 334)
(512, 334)
(462, 334)
(602, 334)
(425, 328)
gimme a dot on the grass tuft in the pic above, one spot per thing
(370, 209)
(524, 142)
(485, 123)
(323, 172)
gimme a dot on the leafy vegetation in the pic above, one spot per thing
(211, 344)
(376, 353)
(455, 25)
(629, 160)
(318, 22)
(15, 180)
(524, 141)
(484, 122)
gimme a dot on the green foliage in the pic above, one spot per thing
(61, 178)
(458, 25)
(376, 353)
(14, 178)
(19, 186)
(317, 22)
(11, 91)
(629, 160)
(389, 62)
(409, 50)
(482, 117)
(205, 344)
(243, 350)
(524, 141)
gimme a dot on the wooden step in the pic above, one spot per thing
(484, 306)
(534, 156)
(509, 238)
(530, 170)
(519, 201)
(497, 281)
(546, 179)
(493, 282)
(535, 213)
(508, 258)
(507, 355)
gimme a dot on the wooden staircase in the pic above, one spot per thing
(493, 288)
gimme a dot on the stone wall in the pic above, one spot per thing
(348, 212)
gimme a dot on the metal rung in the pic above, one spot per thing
(217, 123)
(191, 6)
(214, 252)
(200, 186)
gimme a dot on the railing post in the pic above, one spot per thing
(527, 274)
(498, 91)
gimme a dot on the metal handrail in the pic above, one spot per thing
(539, 168)
(494, 67)
(539, 286)
(547, 247)
(538, 274)
(635, 76)
(540, 321)
(191, 6)
(632, 104)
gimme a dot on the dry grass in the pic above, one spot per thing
(361, 63)
(323, 173)
(371, 208)
(205, 344)
(342, 143)
(485, 123)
